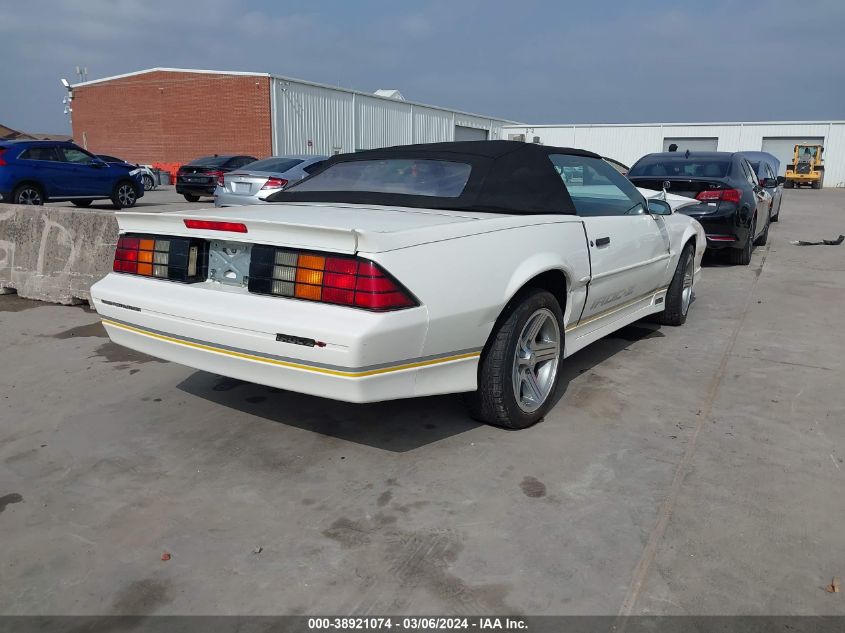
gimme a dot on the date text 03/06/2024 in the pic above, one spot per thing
(418, 623)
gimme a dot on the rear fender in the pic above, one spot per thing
(539, 263)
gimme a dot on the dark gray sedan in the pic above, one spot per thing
(252, 183)
(766, 167)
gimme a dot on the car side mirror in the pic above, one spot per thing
(659, 207)
(781, 179)
(770, 182)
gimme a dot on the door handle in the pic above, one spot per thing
(602, 241)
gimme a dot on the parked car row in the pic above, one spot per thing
(34, 172)
(738, 195)
(238, 180)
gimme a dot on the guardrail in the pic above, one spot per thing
(55, 254)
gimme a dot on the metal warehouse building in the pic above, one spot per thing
(173, 115)
(627, 143)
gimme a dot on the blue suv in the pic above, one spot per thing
(33, 172)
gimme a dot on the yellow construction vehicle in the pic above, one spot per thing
(806, 168)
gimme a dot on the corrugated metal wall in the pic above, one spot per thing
(627, 143)
(314, 119)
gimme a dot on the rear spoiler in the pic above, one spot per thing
(273, 232)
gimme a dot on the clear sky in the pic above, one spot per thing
(548, 61)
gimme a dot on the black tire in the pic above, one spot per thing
(28, 193)
(125, 195)
(788, 184)
(495, 401)
(149, 184)
(676, 310)
(816, 184)
(82, 203)
(191, 197)
(742, 256)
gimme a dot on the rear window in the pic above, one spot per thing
(680, 168)
(415, 177)
(210, 161)
(39, 153)
(277, 165)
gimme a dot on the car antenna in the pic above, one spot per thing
(686, 154)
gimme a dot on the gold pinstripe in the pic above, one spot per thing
(282, 363)
(627, 304)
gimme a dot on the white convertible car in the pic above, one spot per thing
(408, 271)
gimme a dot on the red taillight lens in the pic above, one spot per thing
(712, 195)
(216, 174)
(3, 162)
(178, 259)
(212, 225)
(341, 280)
(275, 183)
(142, 256)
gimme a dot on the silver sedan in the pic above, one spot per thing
(252, 183)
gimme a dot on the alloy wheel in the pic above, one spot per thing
(30, 195)
(126, 195)
(536, 360)
(686, 292)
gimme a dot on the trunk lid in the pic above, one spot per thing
(688, 187)
(332, 227)
(198, 174)
(242, 183)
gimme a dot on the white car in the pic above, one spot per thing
(408, 271)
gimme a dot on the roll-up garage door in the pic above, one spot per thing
(463, 133)
(782, 147)
(696, 144)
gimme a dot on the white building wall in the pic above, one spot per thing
(314, 119)
(381, 123)
(431, 126)
(627, 143)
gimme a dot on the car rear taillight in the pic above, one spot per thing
(274, 183)
(178, 259)
(337, 279)
(712, 195)
(216, 174)
(214, 225)
(2, 161)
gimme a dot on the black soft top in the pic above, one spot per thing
(506, 177)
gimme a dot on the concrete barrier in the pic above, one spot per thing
(55, 253)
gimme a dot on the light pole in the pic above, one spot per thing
(68, 99)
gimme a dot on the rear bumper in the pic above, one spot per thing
(223, 198)
(367, 357)
(725, 228)
(194, 188)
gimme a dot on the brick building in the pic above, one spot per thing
(171, 115)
